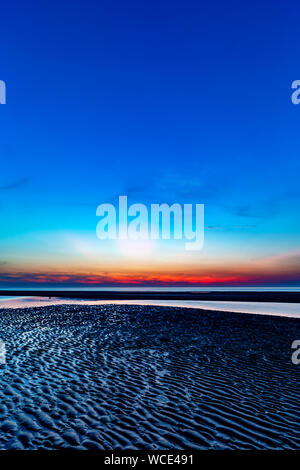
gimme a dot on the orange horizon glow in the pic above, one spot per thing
(92, 268)
(144, 279)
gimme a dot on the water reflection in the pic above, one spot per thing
(263, 308)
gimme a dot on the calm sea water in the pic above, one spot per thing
(260, 308)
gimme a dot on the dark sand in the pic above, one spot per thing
(142, 377)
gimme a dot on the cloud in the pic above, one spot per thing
(230, 227)
(118, 279)
(178, 187)
(287, 259)
(244, 226)
(260, 211)
(14, 184)
(265, 208)
(3, 263)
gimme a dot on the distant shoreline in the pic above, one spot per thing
(238, 296)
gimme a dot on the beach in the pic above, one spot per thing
(147, 377)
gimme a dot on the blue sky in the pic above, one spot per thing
(162, 101)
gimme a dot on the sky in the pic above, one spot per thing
(162, 101)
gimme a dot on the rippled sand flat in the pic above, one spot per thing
(141, 377)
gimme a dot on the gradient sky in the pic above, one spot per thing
(186, 102)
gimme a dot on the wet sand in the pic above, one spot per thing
(146, 377)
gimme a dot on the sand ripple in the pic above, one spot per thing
(133, 377)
